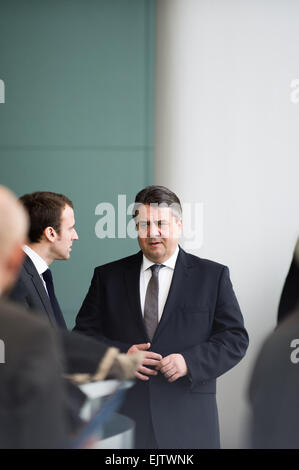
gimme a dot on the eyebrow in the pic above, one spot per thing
(148, 221)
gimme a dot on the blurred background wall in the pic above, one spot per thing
(78, 115)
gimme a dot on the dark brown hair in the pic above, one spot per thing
(44, 209)
(158, 195)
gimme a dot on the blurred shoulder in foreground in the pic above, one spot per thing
(290, 293)
(273, 390)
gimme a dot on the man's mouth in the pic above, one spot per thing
(154, 243)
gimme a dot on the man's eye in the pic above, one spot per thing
(162, 223)
(143, 224)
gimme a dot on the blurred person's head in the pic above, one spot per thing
(52, 224)
(13, 233)
(158, 217)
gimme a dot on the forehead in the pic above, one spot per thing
(67, 215)
(154, 212)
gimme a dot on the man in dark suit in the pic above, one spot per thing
(51, 235)
(182, 311)
(32, 394)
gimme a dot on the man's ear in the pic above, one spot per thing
(179, 227)
(50, 234)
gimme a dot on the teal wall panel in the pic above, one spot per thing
(78, 115)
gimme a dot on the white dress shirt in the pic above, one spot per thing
(39, 263)
(165, 278)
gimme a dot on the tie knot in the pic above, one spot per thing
(47, 275)
(156, 268)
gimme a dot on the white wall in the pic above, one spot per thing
(227, 135)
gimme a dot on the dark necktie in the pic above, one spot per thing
(151, 301)
(47, 275)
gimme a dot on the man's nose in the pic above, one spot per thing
(154, 230)
(75, 236)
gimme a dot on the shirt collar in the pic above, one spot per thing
(39, 263)
(170, 262)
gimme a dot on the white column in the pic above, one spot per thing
(226, 135)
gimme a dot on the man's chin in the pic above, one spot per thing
(155, 255)
(63, 257)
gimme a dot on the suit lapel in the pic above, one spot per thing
(175, 297)
(39, 288)
(132, 280)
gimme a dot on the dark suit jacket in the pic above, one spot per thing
(32, 406)
(273, 390)
(30, 292)
(201, 320)
(81, 354)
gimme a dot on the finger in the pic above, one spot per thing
(174, 377)
(148, 356)
(147, 371)
(140, 376)
(167, 367)
(169, 372)
(153, 355)
(150, 362)
(164, 362)
(143, 346)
